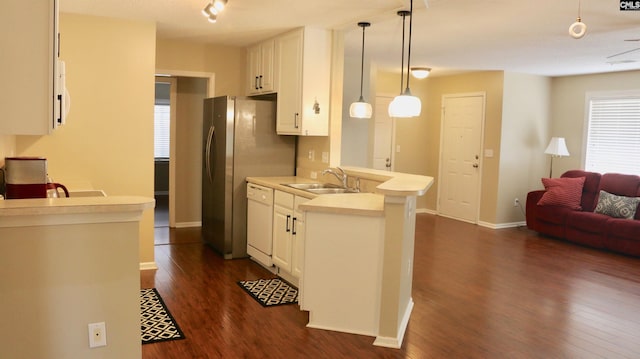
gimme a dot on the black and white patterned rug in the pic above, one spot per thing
(157, 324)
(270, 292)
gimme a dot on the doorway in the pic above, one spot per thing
(383, 135)
(460, 157)
(164, 121)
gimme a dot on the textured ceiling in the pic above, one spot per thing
(448, 35)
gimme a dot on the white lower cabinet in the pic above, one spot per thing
(297, 253)
(282, 225)
(288, 234)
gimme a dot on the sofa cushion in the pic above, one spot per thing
(565, 191)
(591, 187)
(586, 228)
(587, 222)
(623, 236)
(617, 206)
(620, 184)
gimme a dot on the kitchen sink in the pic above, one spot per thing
(319, 188)
(330, 190)
(308, 186)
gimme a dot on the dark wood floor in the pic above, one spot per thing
(478, 293)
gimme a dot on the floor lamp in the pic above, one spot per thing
(557, 148)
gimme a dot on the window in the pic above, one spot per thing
(161, 131)
(613, 133)
(162, 120)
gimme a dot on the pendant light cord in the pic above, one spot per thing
(409, 53)
(362, 62)
(404, 15)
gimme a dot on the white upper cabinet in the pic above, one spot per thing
(303, 65)
(260, 79)
(28, 67)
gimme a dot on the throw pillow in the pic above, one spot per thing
(564, 191)
(617, 206)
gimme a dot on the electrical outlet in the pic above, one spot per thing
(325, 157)
(97, 335)
(312, 155)
(516, 202)
(313, 175)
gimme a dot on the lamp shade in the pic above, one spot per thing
(360, 109)
(420, 72)
(557, 147)
(405, 106)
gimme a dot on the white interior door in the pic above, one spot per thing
(383, 134)
(461, 141)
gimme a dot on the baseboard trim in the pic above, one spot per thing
(425, 210)
(337, 329)
(502, 225)
(148, 266)
(396, 343)
(188, 224)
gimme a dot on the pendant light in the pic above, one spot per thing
(360, 108)
(405, 105)
(578, 28)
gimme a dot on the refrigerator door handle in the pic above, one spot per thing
(212, 130)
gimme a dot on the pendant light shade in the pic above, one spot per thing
(360, 108)
(405, 105)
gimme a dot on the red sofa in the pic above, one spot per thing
(584, 226)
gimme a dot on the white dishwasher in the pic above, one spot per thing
(260, 223)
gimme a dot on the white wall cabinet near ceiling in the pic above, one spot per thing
(303, 64)
(29, 67)
(260, 60)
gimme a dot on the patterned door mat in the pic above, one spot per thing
(270, 292)
(157, 324)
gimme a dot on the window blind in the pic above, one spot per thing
(161, 131)
(613, 139)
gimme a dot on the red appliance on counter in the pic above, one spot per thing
(26, 177)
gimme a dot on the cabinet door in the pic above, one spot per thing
(297, 255)
(253, 69)
(267, 83)
(28, 41)
(282, 222)
(289, 63)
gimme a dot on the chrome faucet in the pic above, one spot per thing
(339, 174)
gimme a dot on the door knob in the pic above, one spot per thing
(475, 165)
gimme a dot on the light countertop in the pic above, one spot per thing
(369, 204)
(45, 211)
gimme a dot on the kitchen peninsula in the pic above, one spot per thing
(358, 254)
(66, 263)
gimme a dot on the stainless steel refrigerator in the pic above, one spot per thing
(239, 141)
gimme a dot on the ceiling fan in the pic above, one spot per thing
(626, 52)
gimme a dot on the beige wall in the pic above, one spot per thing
(7, 147)
(568, 114)
(228, 63)
(188, 161)
(107, 142)
(525, 125)
(63, 277)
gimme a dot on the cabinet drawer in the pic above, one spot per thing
(284, 199)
